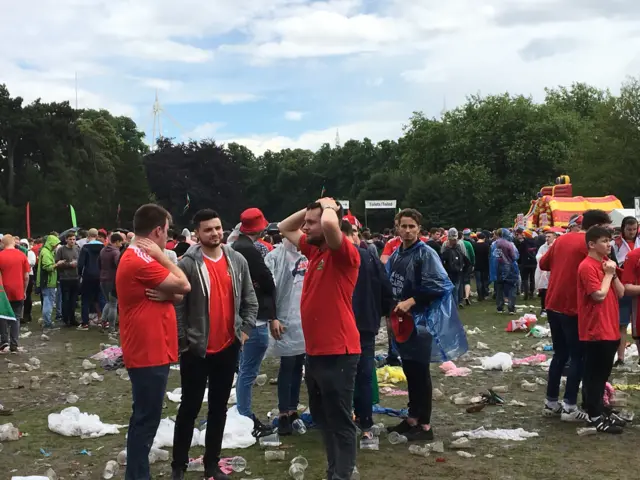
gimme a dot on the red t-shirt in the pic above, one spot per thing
(221, 305)
(596, 320)
(326, 308)
(13, 266)
(631, 276)
(631, 244)
(562, 260)
(171, 244)
(148, 329)
(393, 244)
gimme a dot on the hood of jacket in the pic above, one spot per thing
(51, 243)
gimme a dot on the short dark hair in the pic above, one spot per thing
(102, 234)
(69, 235)
(410, 213)
(481, 236)
(115, 238)
(204, 215)
(628, 221)
(433, 231)
(314, 205)
(596, 233)
(277, 238)
(346, 227)
(386, 231)
(594, 217)
(149, 217)
(181, 238)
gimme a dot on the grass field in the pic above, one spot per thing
(558, 451)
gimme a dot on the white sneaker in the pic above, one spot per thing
(543, 315)
(575, 415)
(547, 411)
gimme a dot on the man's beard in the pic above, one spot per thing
(315, 241)
(212, 243)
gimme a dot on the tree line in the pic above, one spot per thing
(478, 165)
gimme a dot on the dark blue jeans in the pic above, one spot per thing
(566, 345)
(508, 290)
(91, 294)
(289, 380)
(148, 387)
(482, 284)
(363, 395)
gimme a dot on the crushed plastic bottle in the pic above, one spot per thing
(51, 474)
(529, 387)
(396, 439)
(261, 380)
(96, 377)
(296, 472)
(35, 383)
(195, 465)
(35, 362)
(300, 460)
(87, 365)
(85, 379)
(378, 429)
(110, 470)
(501, 389)
(122, 457)
(124, 376)
(419, 451)
(583, 432)
(68, 347)
(370, 443)
(464, 454)
(44, 337)
(299, 427)
(238, 464)
(437, 447)
(71, 398)
(274, 455)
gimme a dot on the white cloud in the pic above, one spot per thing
(204, 131)
(293, 116)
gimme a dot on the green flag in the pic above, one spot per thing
(74, 222)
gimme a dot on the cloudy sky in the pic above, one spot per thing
(288, 73)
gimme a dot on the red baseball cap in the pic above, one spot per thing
(252, 221)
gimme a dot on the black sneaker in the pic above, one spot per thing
(13, 348)
(615, 419)
(217, 474)
(260, 429)
(467, 301)
(419, 434)
(402, 428)
(177, 474)
(284, 425)
(603, 424)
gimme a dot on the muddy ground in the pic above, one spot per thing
(557, 451)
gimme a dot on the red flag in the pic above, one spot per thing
(28, 220)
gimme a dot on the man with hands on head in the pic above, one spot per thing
(147, 284)
(331, 337)
(214, 321)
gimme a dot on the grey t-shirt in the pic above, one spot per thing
(66, 271)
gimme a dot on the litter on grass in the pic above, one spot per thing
(514, 434)
(450, 370)
(70, 422)
(176, 396)
(499, 361)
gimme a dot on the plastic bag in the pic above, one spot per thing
(70, 422)
(288, 267)
(499, 361)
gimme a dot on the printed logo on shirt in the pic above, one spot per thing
(320, 265)
(300, 268)
(144, 256)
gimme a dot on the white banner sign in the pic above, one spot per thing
(344, 203)
(636, 202)
(379, 204)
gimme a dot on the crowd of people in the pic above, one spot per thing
(313, 292)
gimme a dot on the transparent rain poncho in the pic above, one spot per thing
(288, 267)
(418, 270)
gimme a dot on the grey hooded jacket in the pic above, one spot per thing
(193, 311)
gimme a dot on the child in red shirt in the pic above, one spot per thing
(599, 290)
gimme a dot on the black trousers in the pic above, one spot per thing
(598, 363)
(330, 381)
(528, 277)
(420, 390)
(70, 290)
(543, 299)
(218, 369)
(28, 303)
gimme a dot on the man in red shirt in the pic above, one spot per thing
(214, 320)
(599, 290)
(631, 281)
(14, 275)
(562, 260)
(329, 326)
(147, 284)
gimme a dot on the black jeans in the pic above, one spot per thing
(566, 345)
(420, 390)
(91, 294)
(528, 277)
(598, 362)
(363, 395)
(482, 284)
(70, 289)
(289, 381)
(508, 290)
(543, 298)
(28, 303)
(10, 329)
(148, 387)
(330, 381)
(218, 369)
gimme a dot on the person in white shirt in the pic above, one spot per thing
(26, 314)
